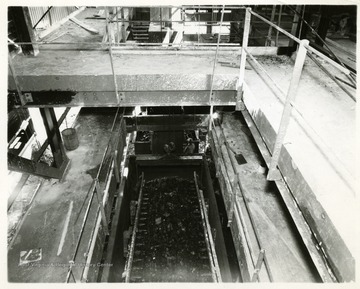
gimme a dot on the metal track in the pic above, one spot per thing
(132, 247)
(171, 239)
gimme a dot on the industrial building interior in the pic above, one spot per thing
(193, 143)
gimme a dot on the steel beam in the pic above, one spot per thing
(50, 84)
(53, 134)
(129, 98)
(25, 33)
(167, 122)
(33, 167)
(23, 165)
(40, 152)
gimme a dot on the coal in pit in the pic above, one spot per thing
(170, 243)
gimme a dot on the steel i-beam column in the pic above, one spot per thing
(54, 137)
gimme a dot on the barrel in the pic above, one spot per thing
(70, 139)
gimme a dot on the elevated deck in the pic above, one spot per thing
(318, 156)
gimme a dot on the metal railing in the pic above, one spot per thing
(110, 161)
(288, 99)
(230, 181)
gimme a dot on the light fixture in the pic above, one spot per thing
(136, 111)
(215, 115)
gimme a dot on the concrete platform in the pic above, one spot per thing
(78, 72)
(277, 233)
(44, 222)
(324, 188)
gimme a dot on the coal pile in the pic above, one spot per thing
(170, 244)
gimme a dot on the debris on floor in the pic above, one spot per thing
(29, 256)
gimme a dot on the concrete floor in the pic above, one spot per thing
(276, 230)
(44, 222)
(331, 115)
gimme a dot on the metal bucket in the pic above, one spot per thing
(70, 139)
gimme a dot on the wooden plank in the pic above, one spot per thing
(341, 48)
(338, 255)
(52, 28)
(17, 190)
(83, 25)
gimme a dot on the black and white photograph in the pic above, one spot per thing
(181, 142)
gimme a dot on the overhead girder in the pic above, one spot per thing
(128, 98)
(146, 78)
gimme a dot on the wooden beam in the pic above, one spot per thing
(42, 34)
(85, 26)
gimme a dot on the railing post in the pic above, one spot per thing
(285, 119)
(116, 166)
(295, 25)
(259, 262)
(240, 86)
(123, 29)
(269, 36)
(102, 209)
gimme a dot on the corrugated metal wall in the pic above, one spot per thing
(55, 15)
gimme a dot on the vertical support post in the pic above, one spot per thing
(117, 40)
(17, 84)
(209, 24)
(294, 27)
(116, 165)
(285, 119)
(326, 13)
(70, 272)
(214, 67)
(123, 29)
(268, 38)
(53, 134)
(21, 16)
(259, 262)
(278, 24)
(111, 57)
(161, 19)
(240, 87)
(102, 209)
